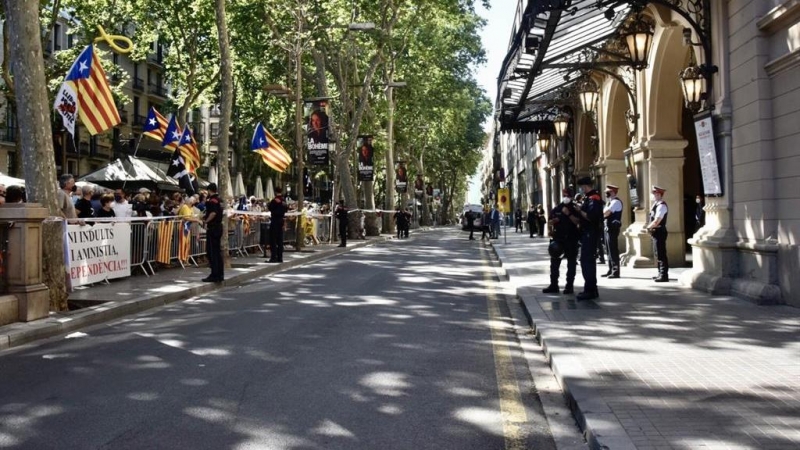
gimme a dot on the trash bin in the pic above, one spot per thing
(263, 231)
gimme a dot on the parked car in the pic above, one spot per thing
(477, 212)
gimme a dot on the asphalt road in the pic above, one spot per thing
(401, 345)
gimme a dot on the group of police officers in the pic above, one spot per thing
(575, 229)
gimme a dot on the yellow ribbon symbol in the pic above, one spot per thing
(112, 39)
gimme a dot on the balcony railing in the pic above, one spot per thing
(139, 120)
(156, 59)
(138, 84)
(123, 115)
(158, 90)
(8, 134)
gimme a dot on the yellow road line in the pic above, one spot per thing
(511, 407)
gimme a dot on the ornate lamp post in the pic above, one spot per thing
(588, 94)
(543, 142)
(561, 124)
(638, 35)
(693, 84)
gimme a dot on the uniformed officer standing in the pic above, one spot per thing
(591, 215)
(341, 215)
(277, 208)
(565, 235)
(658, 229)
(212, 220)
(613, 223)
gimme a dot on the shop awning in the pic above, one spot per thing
(569, 40)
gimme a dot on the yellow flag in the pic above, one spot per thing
(503, 200)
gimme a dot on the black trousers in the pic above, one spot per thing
(571, 253)
(471, 232)
(588, 264)
(343, 233)
(276, 241)
(517, 225)
(214, 252)
(612, 250)
(660, 251)
(531, 228)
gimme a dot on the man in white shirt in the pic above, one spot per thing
(658, 229)
(121, 206)
(612, 216)
(66, 183)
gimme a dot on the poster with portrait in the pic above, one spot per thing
(316, 126)
(366, 168)
(401, 177)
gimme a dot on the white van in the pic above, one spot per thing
(477, 213)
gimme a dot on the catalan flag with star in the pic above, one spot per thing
(85, 94)
(172, 136)
(156, 125)
(272, 153)
(188, 149)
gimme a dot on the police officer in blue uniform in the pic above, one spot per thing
(564, 243)
(591, 216)
(613, 223)
(277, 209)
(658, 230)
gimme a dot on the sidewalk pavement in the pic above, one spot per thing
(104, 302)
(658, 365)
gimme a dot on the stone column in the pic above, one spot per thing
(24, 264)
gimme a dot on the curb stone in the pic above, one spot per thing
(20, 333)
(600, 426)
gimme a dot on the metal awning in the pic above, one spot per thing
(570, 38)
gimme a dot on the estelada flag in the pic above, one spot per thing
(188, 149)
(85, 94)
(172, 136)
(156, 125)
(165, 230)
(184, 241)
(272, 153)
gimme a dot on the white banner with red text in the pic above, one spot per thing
(98, 252)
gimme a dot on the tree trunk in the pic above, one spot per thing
(36, 138)
(226, 72)
(388, 222)
(371, 227)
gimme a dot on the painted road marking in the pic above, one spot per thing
(511, 407)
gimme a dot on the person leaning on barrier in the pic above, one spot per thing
(66, 183)
(564, 235)
(106, 210)
(213, 223)
(84, 204)
(15, 194)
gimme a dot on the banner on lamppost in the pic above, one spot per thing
(401, 177)
(316, 118)
(366, 153)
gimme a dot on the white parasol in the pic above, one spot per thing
(270, 194)
(11, 181)
(259, 193)
(240, 190)
(212, 175)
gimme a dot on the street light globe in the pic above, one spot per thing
(638, 35)
(587, 93)
(543, 141)
(561, 125)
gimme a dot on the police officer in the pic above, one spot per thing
(591, 216)
(613, 223)
(518, 221)
(212, 220)
(277, 208)
(565, 235)
(400, 221)
(341, 215)
(658, 229)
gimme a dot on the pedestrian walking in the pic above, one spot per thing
(470, 218)
(541, 220)
(277, 208)
(518, 221)
(212, 220)
(486, 225)
(341, 216)
(658, 230)
(495, 221)
(407, 223)
(612, 214)
(564, 220)
(400, 221)
(531, 220)
(591, 215)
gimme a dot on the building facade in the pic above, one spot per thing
(605, 89)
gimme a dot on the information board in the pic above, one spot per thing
(707, 149)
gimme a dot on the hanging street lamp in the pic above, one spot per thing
(693, 84)
(543, 141)
(638, 35)
(561, 124)
(588, 94)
